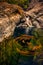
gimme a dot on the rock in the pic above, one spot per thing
(36, 15)
(8, 20)
(12, 16)
(7, 26)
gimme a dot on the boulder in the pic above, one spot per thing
(8, 19)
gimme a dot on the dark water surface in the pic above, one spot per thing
(27, 60)
(20, 31)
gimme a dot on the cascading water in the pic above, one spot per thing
(29, 25)
(24, 28)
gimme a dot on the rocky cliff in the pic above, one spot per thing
(8, 19)
(13, 15)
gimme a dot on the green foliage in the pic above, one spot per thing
(22, 3)
(9, 54)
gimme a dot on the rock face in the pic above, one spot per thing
(10, 17)
(8, 20)
(32, 21)
(35, 16)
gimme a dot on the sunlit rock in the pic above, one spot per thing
(8, 21)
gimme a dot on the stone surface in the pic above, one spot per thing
(8, 20)
(12, 16)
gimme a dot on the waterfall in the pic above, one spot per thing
(27, 30)
(29, 25)
(28, 22)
